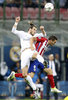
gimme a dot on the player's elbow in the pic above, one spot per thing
(13, 30)
(34, 39)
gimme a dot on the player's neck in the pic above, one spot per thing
(48, 43)
(29, 32)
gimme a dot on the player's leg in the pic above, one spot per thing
(25, 63)
(32, 70)
(50, 76)
(34, 55)
(38, 57)
(49, 73)
(31, 74)
(21, 75)
(55, 94)
(51, 80)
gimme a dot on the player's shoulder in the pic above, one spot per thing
(43, 38)
(38, 34)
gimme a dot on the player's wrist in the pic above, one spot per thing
(42, 30)
(16, 23)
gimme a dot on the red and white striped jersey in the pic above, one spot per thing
(41, 45)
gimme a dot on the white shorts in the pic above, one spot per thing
(26, 56)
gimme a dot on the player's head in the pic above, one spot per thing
(51, 57)
(32, 29)
(52, 40)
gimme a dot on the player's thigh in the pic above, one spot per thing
(32, 54)
(25, 61)
(48, 70)
(25, 71)
(33, 67)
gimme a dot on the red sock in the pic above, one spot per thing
(51, 80)
(41, 93)
(19, 75)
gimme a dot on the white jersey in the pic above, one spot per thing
(24, 38)
(27, 54)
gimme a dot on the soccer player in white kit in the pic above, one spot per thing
(26, 53)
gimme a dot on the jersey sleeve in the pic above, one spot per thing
(20, 34)
(42, 39)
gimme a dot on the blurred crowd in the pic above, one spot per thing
(33, 3)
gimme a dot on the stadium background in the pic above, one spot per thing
(55, 23)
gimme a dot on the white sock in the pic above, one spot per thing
(29, 79)
(40, 58)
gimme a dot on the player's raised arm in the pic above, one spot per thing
(15, 25)
(43, 31)
(20, 34)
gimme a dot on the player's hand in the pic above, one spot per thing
(17, 19)
(41, 27)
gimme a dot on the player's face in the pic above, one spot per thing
(52, 42)
(51, 57)
(33, 30)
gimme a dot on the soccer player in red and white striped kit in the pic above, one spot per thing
(40, 47)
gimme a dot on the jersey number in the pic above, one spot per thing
(34, 68)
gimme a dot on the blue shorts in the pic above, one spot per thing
(34, 65)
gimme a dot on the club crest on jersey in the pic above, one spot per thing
(39, 37)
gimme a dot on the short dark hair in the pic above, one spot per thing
(52, 38)
(32, 25)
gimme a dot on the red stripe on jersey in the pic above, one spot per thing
(41, 53)
(43, 49)
(41, 39)
(36, 45)
(40, 44)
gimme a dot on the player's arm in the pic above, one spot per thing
(15, 25)
(43, 31)
(15, 31)
(32, 40)
(41, 39)
(14, 28)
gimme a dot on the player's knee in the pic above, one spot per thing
(24, 75)
(49, 71)
(31, 74)
(24, 72)
(34, 56)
